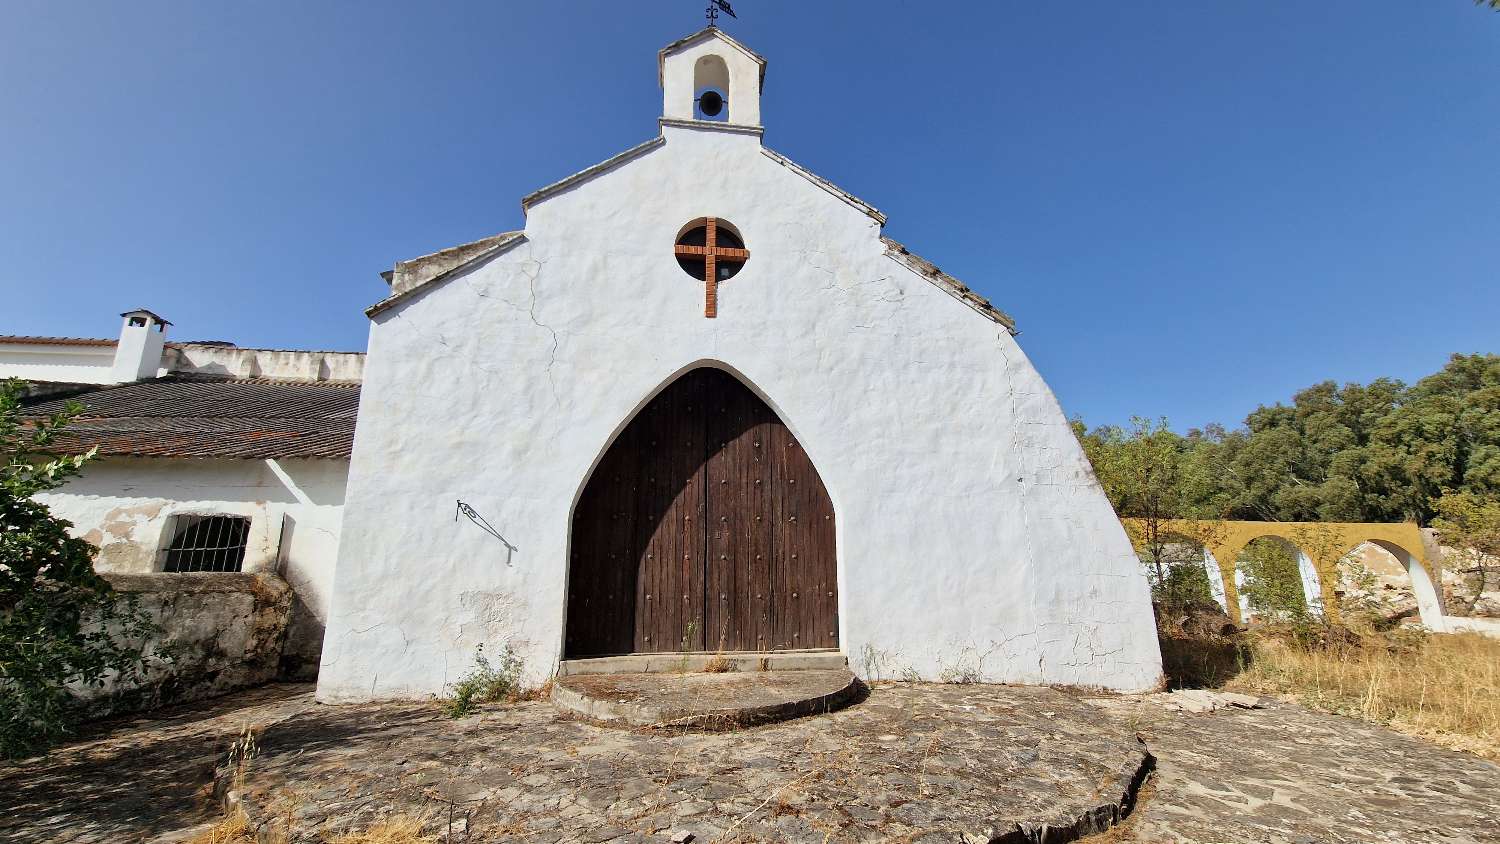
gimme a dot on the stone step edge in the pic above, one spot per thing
(631, 714)
(684, 663)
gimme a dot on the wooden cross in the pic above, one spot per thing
(711, 252)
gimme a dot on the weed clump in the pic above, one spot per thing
(487, 683)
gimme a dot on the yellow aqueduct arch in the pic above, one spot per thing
(1323, 544)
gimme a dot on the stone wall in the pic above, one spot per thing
(226, 631)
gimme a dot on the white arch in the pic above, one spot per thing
(1307, 573)
(1216, 579)
(1429, 605)
(1312, 585)
(711, 73)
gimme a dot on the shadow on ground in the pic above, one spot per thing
(134, 778)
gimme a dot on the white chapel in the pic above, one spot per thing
(699, 403)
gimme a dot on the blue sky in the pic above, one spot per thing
(1191, 208)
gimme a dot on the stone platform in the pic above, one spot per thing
(932, 763)
(704, 701)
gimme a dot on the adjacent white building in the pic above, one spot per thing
(211, 457)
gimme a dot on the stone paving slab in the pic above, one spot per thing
(692, 701)
(906, 763)
(1286, 775)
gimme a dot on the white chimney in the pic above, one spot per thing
(138, 354)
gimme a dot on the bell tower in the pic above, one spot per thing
(709, 77)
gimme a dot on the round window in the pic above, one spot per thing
(711, 239)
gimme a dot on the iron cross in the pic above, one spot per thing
(714, 7)
(711, 252)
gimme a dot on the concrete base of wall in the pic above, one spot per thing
(677, 663)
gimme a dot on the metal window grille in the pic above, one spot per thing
(206, 543)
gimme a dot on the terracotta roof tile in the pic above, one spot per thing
(187, 416)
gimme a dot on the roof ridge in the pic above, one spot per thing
(870, 210)
(499, 246)
(39, 339)
(589, 172)
(950, 285)
(212, 378)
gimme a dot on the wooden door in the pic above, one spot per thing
(704, 527)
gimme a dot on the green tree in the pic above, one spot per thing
(1273, 581)
(1141, 472)
(1469, 523)
(1445, 436)
(61, 626)
(1146, 473)
(1305, 461)
(1377, 452)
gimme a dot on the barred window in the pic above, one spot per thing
(206, 543)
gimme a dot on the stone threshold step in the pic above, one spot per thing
(740, 661)
(686, 701)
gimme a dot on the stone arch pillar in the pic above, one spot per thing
(1221, 553)
(1215, 579)
(1312, 584)
(1429, 604)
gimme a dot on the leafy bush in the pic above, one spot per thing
(1273, 582)
(61, 625)
(1184, 586)
(487, 683)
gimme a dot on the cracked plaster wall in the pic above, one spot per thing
(124, 507)
(970, 526)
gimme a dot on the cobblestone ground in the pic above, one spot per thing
(145, 778)
(1287, 775)
(911, 762)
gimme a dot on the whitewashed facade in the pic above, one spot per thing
(972, 537)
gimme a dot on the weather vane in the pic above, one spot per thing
(716, 6)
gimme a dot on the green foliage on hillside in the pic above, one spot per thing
(1377, 452)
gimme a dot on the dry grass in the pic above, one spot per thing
(399, 829)
(542, 692)
(720, 664)
(1441, 687)
(234, 829)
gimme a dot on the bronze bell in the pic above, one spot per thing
(711, 103)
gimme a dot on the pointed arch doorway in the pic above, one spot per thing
(704, 527)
